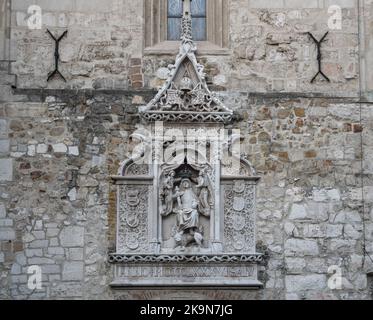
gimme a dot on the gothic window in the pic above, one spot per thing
(174, 14)
(210, 21)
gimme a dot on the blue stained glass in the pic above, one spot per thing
(175, 12)
(198, 8)
(199, 29)
(174, 29)
(175, 8)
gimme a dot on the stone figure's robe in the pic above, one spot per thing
(188, 219)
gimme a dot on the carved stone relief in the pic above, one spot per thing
(187, 193)
(137, 170)
(133, 219)
(183, 222)
(239, 217)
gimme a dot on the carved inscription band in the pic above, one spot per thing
(119, 258)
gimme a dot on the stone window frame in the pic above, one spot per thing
(217, 27)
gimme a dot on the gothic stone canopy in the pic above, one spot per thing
(185, 96)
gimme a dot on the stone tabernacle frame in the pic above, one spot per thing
(182, 222)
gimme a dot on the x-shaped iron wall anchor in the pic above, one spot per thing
(56, 56)
(319, 56)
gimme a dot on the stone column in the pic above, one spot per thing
(366, 48)
(4, 29)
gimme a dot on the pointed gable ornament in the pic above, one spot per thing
(185, 96)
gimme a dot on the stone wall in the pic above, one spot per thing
(270, 49)
(57, 210)
(311, 143)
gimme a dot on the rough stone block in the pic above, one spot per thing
(334, 230)
(40, 261)
(298, 211)
(19, 279)
(31, 150)
(2, 211)
(92, 6)
(295, 265)
(305, 282)
(267, 4)
(42, 148)
(298, 247)
(72, 194)
(59, 148)
(54, 242)
(4, 146)
(50, 269)
(313, 231)
(301, 4)
(21, 259)
(46, 5)
(72, 271)
(52, 232)
(39, 235)
(25, 110)
(66, 290)
(39, 244)
(33, 253)
(72, 236)
(76, 254)
(74, 151)
(56, 251)
(341, 3)
(7, 234)
(16, 269)
(3, 128)
(342, 246)
(317, 265)
(6, 223)
(6, 169)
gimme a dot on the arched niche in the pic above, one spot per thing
(185, 178)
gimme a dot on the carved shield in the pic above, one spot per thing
(238, 203)
(239, 186)
(132, 198)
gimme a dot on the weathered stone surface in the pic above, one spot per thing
(298, 283)
(59, 148)
(67, 289)
(56, 251)
(2, 211)
(72, 236)
(42, 148)
(298, 211)
(4, 146)
(298, 247)
(306, 141)
(72, 271)
(74, 151)
(76, 254)
(50, 269)
(39, 244)
(6, 169)
(7, 234)
(6, 223)
(295, 265)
